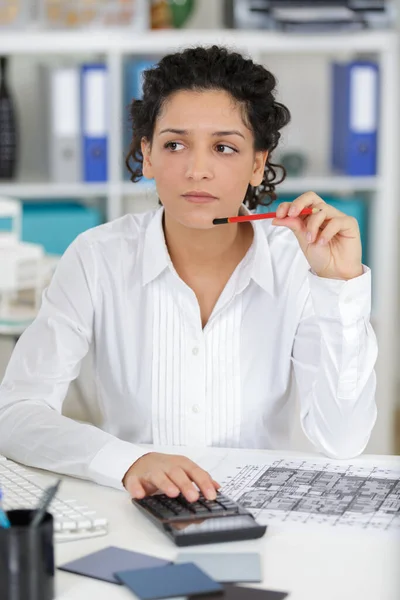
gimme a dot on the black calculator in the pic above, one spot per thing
(201, 522)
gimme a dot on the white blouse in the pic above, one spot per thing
(161, 378)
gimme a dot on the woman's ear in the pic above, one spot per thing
(146, 151)
(258, 168)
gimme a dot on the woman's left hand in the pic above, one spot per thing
(329, 239)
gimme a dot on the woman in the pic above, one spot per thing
(198, 328)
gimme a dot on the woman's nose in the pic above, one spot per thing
(199, 166)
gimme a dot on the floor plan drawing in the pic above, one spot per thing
(325, 492)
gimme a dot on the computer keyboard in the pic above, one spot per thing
(72, 521)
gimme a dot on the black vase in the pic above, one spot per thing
(8, 127)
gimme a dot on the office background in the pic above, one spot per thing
(55, 211)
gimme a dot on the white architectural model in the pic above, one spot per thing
(21, 264)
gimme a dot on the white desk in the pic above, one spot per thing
(312, 565)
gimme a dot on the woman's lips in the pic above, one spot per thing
(199, 199)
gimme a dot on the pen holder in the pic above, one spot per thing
(27, 558)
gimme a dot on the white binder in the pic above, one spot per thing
(64, 130)
(94, 78)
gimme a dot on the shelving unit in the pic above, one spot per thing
(383, 190)
(44, 189)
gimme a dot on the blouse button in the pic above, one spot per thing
(196, 408)
(195, 351)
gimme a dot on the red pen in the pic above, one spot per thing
(271, 215)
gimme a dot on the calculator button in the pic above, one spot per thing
(216, 508)
(201, 509)
(188, 505)
(171, 505)
(228, 504)
(157, 508)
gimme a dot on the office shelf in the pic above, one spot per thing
(48, 189)
(159, 42)
(328, 183)
(51, 190)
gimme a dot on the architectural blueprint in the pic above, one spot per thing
(335, 493)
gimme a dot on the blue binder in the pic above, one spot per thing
(355, 117)
(133, 89)
(133, 75)
(94, 122)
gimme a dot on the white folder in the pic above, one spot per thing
(64, 130)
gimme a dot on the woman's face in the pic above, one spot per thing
(201, 145)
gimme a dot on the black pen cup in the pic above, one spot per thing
(27, 558)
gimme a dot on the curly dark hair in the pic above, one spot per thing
(213, 68)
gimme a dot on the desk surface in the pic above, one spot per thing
(323, 564)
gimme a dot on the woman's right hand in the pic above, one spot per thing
(170, 474)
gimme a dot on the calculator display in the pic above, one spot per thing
(212, 525)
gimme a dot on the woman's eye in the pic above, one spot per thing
(173, 146)
(225, 149)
